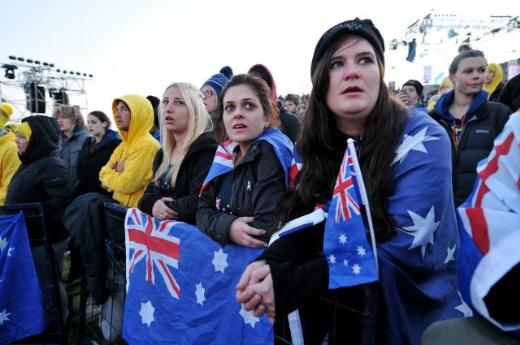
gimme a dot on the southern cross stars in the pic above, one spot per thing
(412, 142)
(422, 229)
(3, 243)
(4, 316)
(248, 316)
(199, 293)
(220, 261)
(343, 239)
(146, 313)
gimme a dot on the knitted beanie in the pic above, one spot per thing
(219, 80)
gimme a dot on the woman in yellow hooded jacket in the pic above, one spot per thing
(493, 84)
(9, 161)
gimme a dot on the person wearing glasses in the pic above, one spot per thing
(212, 89)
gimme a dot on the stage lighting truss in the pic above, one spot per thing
(20, 72)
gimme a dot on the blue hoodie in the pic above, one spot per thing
(442, 107)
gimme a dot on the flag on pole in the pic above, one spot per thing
(351, 259)
(21, 308)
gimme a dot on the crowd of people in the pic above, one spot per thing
(418, 161)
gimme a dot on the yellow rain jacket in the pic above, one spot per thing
(497, 79)
(9, 162)
(136, 153)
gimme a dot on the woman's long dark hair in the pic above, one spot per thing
(322, 146)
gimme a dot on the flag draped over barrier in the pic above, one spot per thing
(21, 308)
(181, 287)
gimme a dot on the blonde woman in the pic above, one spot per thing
(189, 145)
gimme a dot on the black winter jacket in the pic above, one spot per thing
(291, 125)
(257, 191)
(480, 130)
(91, 159)
(510, 95)
(192, 172)
(42, 177)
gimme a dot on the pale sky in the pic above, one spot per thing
(142, 46)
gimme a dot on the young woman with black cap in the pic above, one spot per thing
(413, 217)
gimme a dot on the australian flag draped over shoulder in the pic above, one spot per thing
(490, 222)
(282, 145)
(350, 258)
(21, 309)
(417, 264)
(181, 287)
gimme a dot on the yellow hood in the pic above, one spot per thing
(141, 117)
(499, 75)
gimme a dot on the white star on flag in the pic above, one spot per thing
(4, 316)
(422, 229)
(332, 259)
(464, 308)
(220, 261)
(412, 142)
(248, 316)
(361, 251)
(10, 251)
(3, 243)
(345, 262)
(356, 269)
(450, 254)
(199, 293)
(343, 239)
(146, 313)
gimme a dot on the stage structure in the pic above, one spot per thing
(426, 47)
(36, 87)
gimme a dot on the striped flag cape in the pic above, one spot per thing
(489, 223)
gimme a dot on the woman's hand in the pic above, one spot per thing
(255, 289)
(161, 211)
(242, 233)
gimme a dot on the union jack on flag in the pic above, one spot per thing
(206, 312)
(282, 146)
(148, 240)
(222, 162)
(346, 204)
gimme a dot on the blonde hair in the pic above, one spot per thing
(199, 121)
(70, 112)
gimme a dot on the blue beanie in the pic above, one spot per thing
(218, 81)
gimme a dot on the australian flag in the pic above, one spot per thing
(21, 309)
(350, 257)
(490, 223)
(282, 146)
(181, 287)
